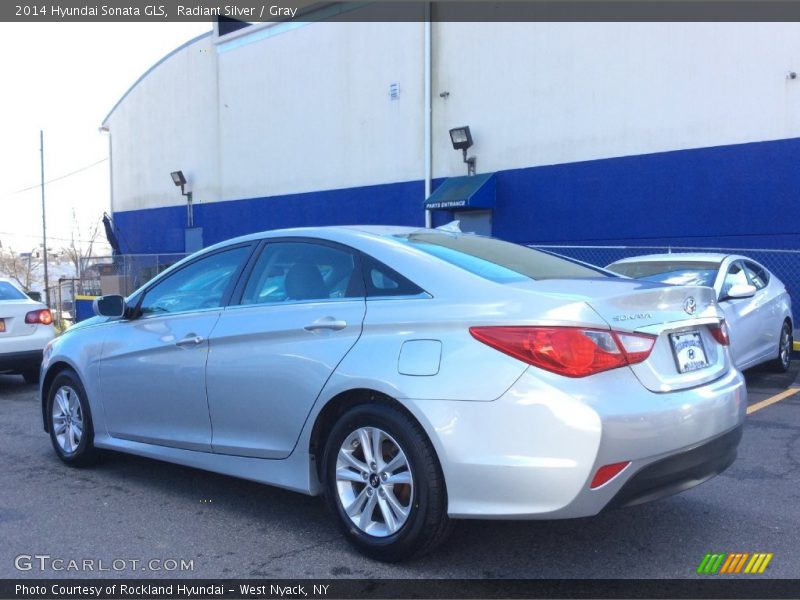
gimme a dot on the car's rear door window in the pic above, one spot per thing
(302, 271)
(384, 282)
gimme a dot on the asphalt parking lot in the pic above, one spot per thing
(135, 509)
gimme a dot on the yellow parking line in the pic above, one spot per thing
(796, 346)
(776, 398)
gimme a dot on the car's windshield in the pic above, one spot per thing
(677, 272)
(497, 261)
(9, 292)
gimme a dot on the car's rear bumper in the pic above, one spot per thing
(532, 453)
(680, 471)
(20, 361)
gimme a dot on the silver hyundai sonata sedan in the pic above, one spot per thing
(411, 376)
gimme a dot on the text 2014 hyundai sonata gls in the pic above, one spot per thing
(411, 376)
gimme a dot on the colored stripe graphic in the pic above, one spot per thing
(758, 563)
(741, 562)
(721, 563)
(711, 563)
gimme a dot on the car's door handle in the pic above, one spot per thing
(326, 323)
(189, 340)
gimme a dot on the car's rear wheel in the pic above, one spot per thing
(784, 360)
(383, 482)
(70, 421)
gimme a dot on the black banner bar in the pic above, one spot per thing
(151, 589)
(400, 10)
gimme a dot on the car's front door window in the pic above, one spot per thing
(201, 284)
(758, 276)
(735, 276)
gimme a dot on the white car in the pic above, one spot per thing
(757, 307)
(26, 326)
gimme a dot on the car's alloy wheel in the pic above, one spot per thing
(374, 481)
(784, 360)
(70, 420)
(67, 419)
(383, 482)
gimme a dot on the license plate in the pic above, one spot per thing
(689, 352)
(2, 325)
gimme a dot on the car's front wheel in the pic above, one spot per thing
(383, 482)
(70, 420)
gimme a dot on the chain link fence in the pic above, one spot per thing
(125, 273)
(122, 274)
(784, 264)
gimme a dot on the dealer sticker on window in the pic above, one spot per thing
(689, 352)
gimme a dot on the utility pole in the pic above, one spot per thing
(44, 221)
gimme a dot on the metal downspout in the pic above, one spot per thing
(427, 111)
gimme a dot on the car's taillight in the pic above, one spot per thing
(720, 333)
(568, 351)
(39, 317)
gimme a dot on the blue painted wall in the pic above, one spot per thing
(740, 196)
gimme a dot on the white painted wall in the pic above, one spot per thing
(549, 93)
(167, 122)
(308, 109)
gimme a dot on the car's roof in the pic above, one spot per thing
(333, 232)
(714, 257)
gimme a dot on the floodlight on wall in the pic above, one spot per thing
(179, 180)
(462, 140)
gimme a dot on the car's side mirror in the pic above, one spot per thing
(741, 290)
(109, 306)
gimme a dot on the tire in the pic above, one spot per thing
(70, 421)
(784, 360)
(392, 521)
(31, 376)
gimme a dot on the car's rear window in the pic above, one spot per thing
(9, 292)
(677, 272)
(495, 260)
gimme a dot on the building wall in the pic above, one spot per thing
(552, 93)
(599, 133)
(310, 109)
(167, 121)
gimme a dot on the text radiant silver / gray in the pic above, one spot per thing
(411, 376)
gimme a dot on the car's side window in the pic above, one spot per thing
(758, 275)
(734, 276)
(383, 281)
(300, 271)
(201, 284)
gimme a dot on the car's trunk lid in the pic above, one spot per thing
(681, 317)
(12, 313)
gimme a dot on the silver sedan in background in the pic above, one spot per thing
(757, 307)
(410, 376)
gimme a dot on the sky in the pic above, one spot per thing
(63, 79)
